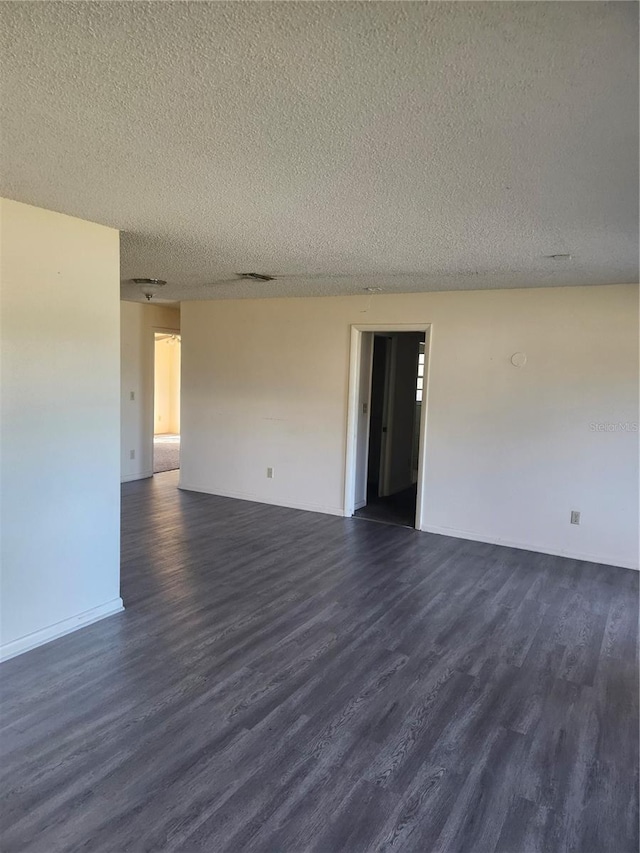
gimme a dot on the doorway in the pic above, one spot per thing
(166, 402)
(387, 424)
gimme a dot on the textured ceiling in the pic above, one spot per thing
(407, 146)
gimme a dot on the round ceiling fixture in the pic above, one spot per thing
(148, 286)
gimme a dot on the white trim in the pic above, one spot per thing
(59, 629)
(602, 559)
(248, 496)
(165, 329)
(357, 330)
(355, 354)
(128, 478)
(361, 498)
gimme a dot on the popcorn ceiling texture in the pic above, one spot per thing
(408, 146)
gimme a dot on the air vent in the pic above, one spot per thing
(256, 276)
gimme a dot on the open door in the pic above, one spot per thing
(399, 413)
(388, 381)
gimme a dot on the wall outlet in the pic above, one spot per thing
(132, 454)
(132, 395)
(269, 473)
(575, 516)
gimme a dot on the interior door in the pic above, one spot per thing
(363, 427)
(399, 409)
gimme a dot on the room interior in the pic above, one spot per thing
(166, 402)
(233, 653)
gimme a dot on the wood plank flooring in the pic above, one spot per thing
(392, 509)
(284, 681)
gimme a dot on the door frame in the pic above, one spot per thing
(353, 409)
(159, 330)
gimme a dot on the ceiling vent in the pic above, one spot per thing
(256, 276)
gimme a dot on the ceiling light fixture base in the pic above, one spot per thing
(148, 286)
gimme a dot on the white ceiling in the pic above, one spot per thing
(407, 146)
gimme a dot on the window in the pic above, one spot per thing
(420, 383)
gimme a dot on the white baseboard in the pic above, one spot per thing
(39, 638)
(143, 475)
(602, 559)
(358, 505)
(247, 496)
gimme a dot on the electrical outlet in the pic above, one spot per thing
(132, 395)
(575, 516)
(269, 473)
(132, 454)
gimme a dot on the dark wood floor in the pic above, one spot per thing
(283, 681)
(391, 509)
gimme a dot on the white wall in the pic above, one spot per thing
(138, 322)
(510, 451)
(60, 495)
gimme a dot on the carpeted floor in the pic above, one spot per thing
(166, 452)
